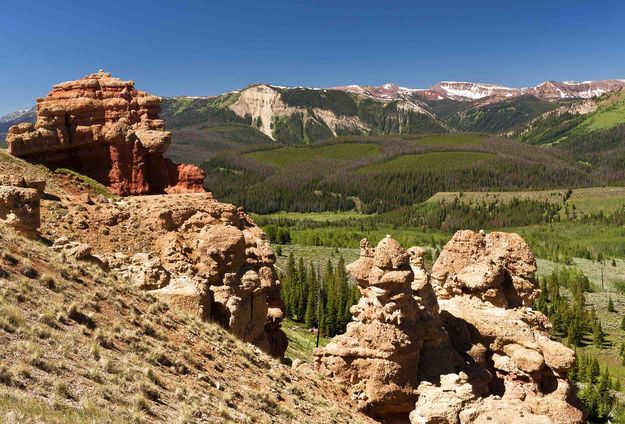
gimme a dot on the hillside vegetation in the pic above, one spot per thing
(80, 344)
(379, 174)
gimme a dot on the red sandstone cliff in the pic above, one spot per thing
(106, 129)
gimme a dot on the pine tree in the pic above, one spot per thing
(593, 371)
(310, 315)
(598, 336)
(302, 289)
(331, 301)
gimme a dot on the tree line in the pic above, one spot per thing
(319, 298)
(571, 320)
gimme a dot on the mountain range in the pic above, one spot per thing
(265, 113)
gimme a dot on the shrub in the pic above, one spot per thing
(619, 286)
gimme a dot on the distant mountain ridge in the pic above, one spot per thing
(470, 91)
(14, 118)
(265, 113)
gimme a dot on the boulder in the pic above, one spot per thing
(485, 284)
(461, 343)
(203, 256)
(20, 204)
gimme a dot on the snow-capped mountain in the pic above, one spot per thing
(14, 116)
(574, 90)
(471, 91)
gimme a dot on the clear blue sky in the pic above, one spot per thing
(208, 47)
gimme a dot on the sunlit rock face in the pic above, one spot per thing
(103, 127)
(459, 345)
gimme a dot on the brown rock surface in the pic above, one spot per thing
(498, 268)
(485, 284)
(104, 128)
(193, 251)
(466, 346)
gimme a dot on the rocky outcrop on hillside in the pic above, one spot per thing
(20, 203)
(485, 285)
(379, 353)
(480, 353)
(498, 268)
(104, 128)
(194, 252)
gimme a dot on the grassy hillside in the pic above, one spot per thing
(584, 200)
(291, 156)
(381, 173)
(202, 127)
(78, 345)
(430, 161)
(564, 127)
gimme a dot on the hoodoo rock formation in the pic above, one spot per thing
(485, 285)
(463, 342)
(194, 253)
(104, 128)
(379, 353)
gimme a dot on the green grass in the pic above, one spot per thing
(606, 117)
(301, 341)
(90, 182)
(449, 140)
(314, 216)
(586, 200)
(428, 161)
(318, 255)
(593, 200)
(288, 156)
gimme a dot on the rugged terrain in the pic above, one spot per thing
(188, 270)
(266, 114)
(104, 128)
(87, 334)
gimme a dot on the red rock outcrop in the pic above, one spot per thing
(462, 342)
(106, 129)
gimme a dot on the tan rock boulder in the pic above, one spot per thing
(485, 284)
(20, 203)
(209, 258)
(499, 268)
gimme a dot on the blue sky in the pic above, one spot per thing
(202, 48)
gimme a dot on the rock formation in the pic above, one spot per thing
(104, 128)
(498, 268)
(20, 203)
(485, 285)
(379, 353)
(464, 337)
(193, 252)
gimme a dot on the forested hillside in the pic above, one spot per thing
(379, 174)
